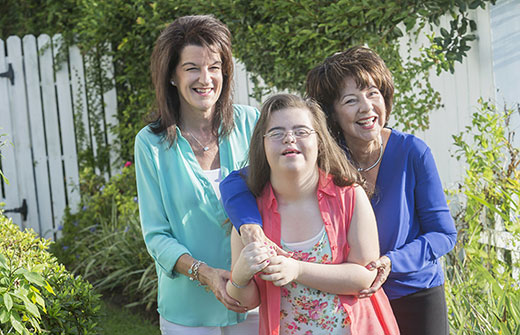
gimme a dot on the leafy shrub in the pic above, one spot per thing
(103, 239)
(38, 294)
(483, 295)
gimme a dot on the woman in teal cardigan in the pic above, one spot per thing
(195, 138)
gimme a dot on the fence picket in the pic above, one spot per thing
(66, 127)
(94, 100)
(50, 111)
(21, 135)
(10, 194)
(41, 171)
(79, 96)
(110, 106)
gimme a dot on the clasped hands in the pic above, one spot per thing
(278, 267)
(258, 257)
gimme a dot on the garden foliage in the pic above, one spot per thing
(102, 240)
(37, 294)
(279, 41)
(483, 295)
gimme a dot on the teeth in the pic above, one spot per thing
(367, 122)
(203, 90)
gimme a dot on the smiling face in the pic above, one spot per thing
(360, 113)
(198, 77)
(291, 154)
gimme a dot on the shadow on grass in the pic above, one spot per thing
(119, 320)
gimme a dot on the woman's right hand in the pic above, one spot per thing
(253, 258)
(215, 280)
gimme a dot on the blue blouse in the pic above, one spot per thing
(180, 214)
(414, 222)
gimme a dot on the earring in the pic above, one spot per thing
(172, 82)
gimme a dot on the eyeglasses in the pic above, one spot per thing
(278, 135)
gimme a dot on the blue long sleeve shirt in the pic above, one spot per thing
(181, 214)
(414, 222)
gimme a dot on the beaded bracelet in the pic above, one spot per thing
(194, 270)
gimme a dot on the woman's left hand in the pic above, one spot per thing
(383, 266)
(215, 280)
(281, 270)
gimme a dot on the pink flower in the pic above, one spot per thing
(285, 292)
(313, 315)
(128, 163)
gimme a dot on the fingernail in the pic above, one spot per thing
(268, 261)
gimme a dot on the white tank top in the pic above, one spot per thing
(215, 179)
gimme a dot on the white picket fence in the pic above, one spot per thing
(37, 112)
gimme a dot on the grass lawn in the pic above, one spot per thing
(118, 320)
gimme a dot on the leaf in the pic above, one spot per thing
(31, 308)
(8, 301)
(41, 302)
(49, 288)
(3, 261)
(4, 316)
(34, 278)
(472, 25)
(475, 4)
(17, 325)
(445, 33)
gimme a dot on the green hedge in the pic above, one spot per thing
(37, 294)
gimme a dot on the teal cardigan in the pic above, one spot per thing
(180, 214)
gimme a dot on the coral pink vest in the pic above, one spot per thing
(372, 315)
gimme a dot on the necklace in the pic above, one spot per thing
(377, 162)
(204, 147)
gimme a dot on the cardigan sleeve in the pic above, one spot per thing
(437, 234)
(158, 235)
(239, 203)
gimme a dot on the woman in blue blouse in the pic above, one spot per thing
(355, 89)
(194, 140)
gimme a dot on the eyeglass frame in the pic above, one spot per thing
(308, 132)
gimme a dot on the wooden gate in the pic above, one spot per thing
(41, 100)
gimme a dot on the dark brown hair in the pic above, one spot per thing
(325, 81)
(199, 30)
(331, 159)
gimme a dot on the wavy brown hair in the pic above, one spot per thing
(331, 159)
(325, 82)
(199, 30)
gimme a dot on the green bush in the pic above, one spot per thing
(38, 294)
(483, 295)
(103, 241)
